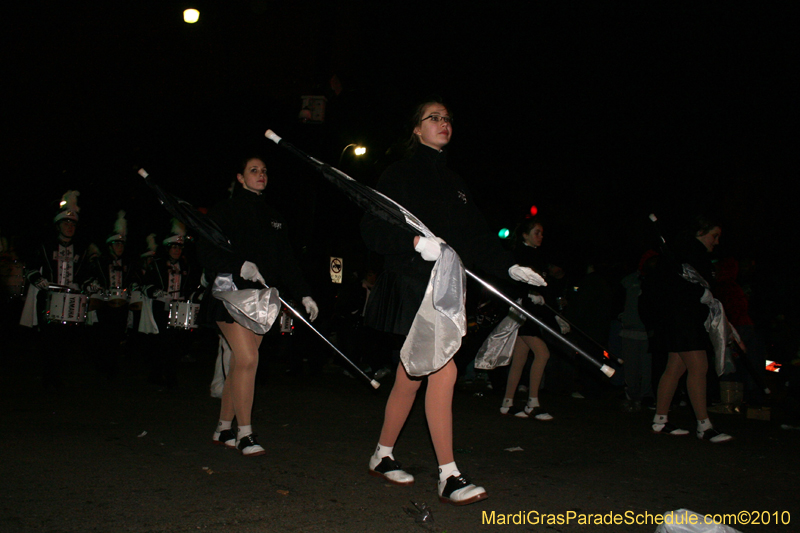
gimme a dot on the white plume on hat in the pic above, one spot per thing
(151, 246)
(120, 229)
(68, 208)
(92, 252)
(178, 233)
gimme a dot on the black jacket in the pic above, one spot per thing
(258, 233)
(156, 277)
(439, 198)
(43, 263)
(101, 267)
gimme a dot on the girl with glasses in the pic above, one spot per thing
(425, 186)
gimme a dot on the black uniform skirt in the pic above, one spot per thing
(212, 310)
(529, 328)
(682, 329)
(394, 302)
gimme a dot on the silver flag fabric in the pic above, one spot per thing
(254, 309)
(719, 329)
(498, 347)
(441, 320)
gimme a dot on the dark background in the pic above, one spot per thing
(598, 113)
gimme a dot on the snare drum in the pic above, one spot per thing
(183, 315)
(66, 306)
(97, 300)
(117, 297)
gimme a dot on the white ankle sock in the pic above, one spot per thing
(384, 451)
(508, 402)
(450, 469)
(704, 425)
(243, 431)
(533, 402)
(660, 419)
(222, 425)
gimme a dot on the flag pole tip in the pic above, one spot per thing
(269, 134)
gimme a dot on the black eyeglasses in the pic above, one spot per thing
(438, 118)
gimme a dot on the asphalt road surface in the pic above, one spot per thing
(128, 456)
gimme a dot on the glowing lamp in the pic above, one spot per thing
(503, 233)
(534, 210)
(190, 16)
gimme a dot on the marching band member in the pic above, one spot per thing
(168, 283)
(112, 278)
(63, 264)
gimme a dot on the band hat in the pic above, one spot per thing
(151, 246)
(68, 207)
(120, 229)
(178, 234)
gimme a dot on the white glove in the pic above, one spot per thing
(707, 298)
(429, 248)
(563, 325)
(537, 299)
(526, 275)
(250, 272)
(311, 307)
(42, 284)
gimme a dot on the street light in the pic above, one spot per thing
(358, 151)
(190, 16)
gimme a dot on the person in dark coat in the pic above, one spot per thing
(261, 253)
(679, 310)
(423, 184)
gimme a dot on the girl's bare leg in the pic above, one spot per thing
(239, 389)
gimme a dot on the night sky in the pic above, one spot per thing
(597, 112)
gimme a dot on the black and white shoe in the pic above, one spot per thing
(458, 490)
(249, 446)
(713, 436)
(390, 470)
(536, 413)
(506, 406)
(226, 438)
(668, 429)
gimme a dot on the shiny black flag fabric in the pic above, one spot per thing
(189, 215)
(365, 197)
(385, 208)
(206, 228)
